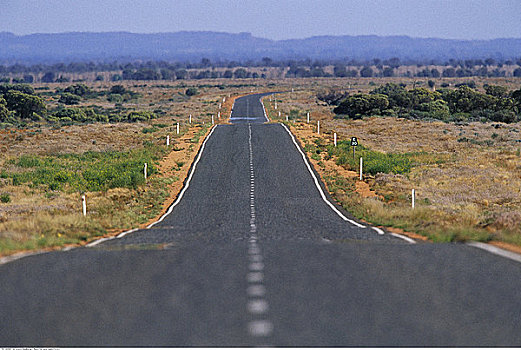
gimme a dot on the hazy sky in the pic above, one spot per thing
(273, 19)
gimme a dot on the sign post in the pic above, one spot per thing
(354, 143)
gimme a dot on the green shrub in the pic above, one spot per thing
(90, 171)
(5, 198)
(374, 162)
(149, 130)
(191, 91)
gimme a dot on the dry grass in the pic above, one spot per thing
(467, 181)
(37, 218)
(472, 193)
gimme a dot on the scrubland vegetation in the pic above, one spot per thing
(462, 104)
(456, 142)
(464, 167)
(53, 153)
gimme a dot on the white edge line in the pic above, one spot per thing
(495, 250)
(378, 230)
(231, 112)
(317, 184)
(187, 180)
(264, 109)
(95, 243)
(405, 238)
(17, 256)
(123, 234)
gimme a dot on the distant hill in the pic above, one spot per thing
(78, 46)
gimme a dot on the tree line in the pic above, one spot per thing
(461, 104)
(206, 69)
(19, 104)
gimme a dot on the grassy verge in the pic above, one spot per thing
(44, 168)
(87, 172)
(114, 183)
(392, 208)
(43, 193)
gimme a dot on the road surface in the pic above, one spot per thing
(253, 255)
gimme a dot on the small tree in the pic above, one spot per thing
(496, 90)
(191, 91)
(48, 77)
(388, 72)
(69, 99)
(118, 89)
(366, 72)
(78, 89)
(26, 106)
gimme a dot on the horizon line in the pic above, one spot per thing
(250, 34)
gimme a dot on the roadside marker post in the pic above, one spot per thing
(334, 138)
(412, 197)
(219, 106)
(212, 120)
(279, 114)
(275, 104)
(287, 118)
(318, 127)
(354, 143)
(177, 128)
(190, 119)
(218, 115)
(84, 204)
(145, 171)
(168, 140)
(361, 167)
(308, 117)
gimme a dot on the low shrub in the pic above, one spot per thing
(5, 198)
(374, 162)
(90, 171)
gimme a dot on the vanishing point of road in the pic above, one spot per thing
(254, 253)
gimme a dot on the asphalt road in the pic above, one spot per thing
(253, 255)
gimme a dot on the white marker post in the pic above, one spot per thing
(279, 114)
(318, 127)
(168, 140)
(219, 106)
(224, 99)
(218, 115)
(361, 166)
(212, 120)
(412, 197)
(275, 104)
(334, 138)
(190, 119)
(84, 204)
(145, 171)
(177, 128)
(308, 117)
(287, 118)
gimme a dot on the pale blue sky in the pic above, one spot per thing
(272, 19)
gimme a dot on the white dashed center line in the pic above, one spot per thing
(257, 306)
